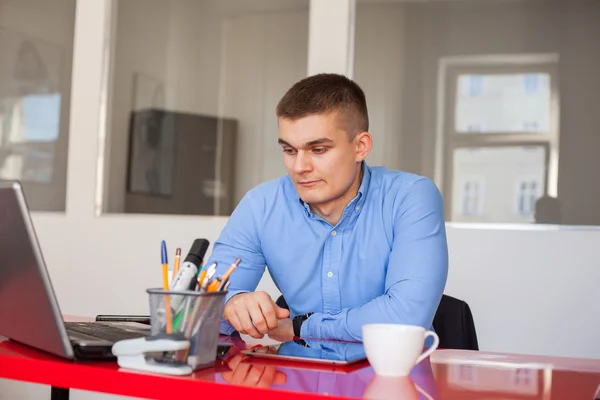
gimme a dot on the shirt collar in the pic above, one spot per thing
(362, 190)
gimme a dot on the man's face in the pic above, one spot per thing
(319, 156)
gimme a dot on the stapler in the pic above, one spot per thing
(153, 354)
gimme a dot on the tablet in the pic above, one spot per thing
(314, 351)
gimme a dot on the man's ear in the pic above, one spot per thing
(364, 144)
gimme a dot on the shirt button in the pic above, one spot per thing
(357, 208)
(333, 233)
(329, 274)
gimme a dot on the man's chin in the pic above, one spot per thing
(310, 198)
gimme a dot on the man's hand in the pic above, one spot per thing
(256, 375)
(284, 331)
(254, 313)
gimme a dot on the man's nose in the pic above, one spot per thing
(303, 163)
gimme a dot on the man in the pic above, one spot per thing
(345, 243)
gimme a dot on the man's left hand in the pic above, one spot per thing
(284, 331)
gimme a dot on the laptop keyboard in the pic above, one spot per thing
(109, 332)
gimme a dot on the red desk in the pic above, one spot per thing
(450, 374)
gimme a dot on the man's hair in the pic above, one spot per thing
(325, 93)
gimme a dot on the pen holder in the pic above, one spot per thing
(195, 315)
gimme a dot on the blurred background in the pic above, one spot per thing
(134, 121)
(493, 99)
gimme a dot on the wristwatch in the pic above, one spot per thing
(297, 322)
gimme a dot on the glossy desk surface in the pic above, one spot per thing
(448, 374)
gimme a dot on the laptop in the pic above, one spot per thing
(29, 311)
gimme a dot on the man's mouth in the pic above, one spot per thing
(308, 183)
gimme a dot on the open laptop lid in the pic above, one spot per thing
(29, 312)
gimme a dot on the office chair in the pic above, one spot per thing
(454, 324)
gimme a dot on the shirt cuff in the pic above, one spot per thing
(309, 329)
(226, 328)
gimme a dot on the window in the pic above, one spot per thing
(35, 84)
(500, 126)
(503, 103)
(471, 198)
(527, 193)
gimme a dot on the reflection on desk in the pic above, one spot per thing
(354, 381)
(448, 374)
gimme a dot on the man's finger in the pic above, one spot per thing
(246, 323)
(268, 310)
(240, 373)
(254, 374)
(266, 379)
(233, 319)
(281, 312)
(258, 319)
(280, 377)
(235, 361)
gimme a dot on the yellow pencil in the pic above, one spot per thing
(227, 274)
(165, 270)
(177, 261)
(201, 278)
(214, 285)
(231, 268)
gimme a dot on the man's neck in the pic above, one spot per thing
(333, 210)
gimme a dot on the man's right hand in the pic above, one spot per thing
(253, 313)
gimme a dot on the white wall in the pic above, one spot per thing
(531, 291)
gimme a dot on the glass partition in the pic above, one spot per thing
(193, 88)
(494, 100)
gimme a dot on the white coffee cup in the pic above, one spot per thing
(394, 349)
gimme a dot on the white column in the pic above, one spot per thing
(90, 49)
(331, 37)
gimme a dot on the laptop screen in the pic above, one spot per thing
(29, 312)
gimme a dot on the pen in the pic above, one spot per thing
(177, 261)
(165, 269)
(210, 271)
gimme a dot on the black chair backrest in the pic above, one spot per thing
(454, 324)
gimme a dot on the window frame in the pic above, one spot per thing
(449, 139)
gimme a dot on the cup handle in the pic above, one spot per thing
(424, 393)
(436, 342)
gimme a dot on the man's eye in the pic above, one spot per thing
(319, 150)
(288, 151)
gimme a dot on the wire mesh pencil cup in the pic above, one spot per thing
(195, 315)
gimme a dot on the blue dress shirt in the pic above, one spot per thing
(385, 261)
